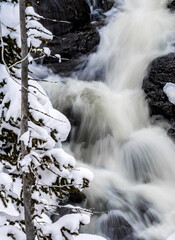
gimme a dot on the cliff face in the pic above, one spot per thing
(75, 31)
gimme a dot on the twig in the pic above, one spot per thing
(78, 209)
(49, 19)
(42, 80)
(38, 90)
(34, 59)
(45, 18)
(46, 114)
(20, 61)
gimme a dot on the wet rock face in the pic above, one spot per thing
(76, 12)
(72, 46)
(160, 72)
(75, 38)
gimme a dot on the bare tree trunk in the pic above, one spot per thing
(27, 178)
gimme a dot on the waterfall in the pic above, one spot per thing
(139, 34)
(133, 161)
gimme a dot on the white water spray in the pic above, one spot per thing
(133, 161)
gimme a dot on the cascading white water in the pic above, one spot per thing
(133, 161)
(137, 35)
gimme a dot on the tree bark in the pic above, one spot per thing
(27, 179)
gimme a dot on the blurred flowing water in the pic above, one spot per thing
(133, 161)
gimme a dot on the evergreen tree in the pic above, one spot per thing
(52, 171)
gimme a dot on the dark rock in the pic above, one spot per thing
(171, 5)
(72, 46)
(147, 214)
(76, 12)
(160, 72)
(75, 38)
(75, 198)
(115, 227)
(105, 5)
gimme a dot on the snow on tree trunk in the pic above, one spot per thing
(27, 177)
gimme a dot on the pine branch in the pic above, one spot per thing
(46, 114)
(5, 64)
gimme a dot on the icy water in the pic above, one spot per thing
(133, 161)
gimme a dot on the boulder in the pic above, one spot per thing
(161, 71)
(70, 14)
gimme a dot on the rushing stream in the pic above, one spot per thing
(133, 161)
